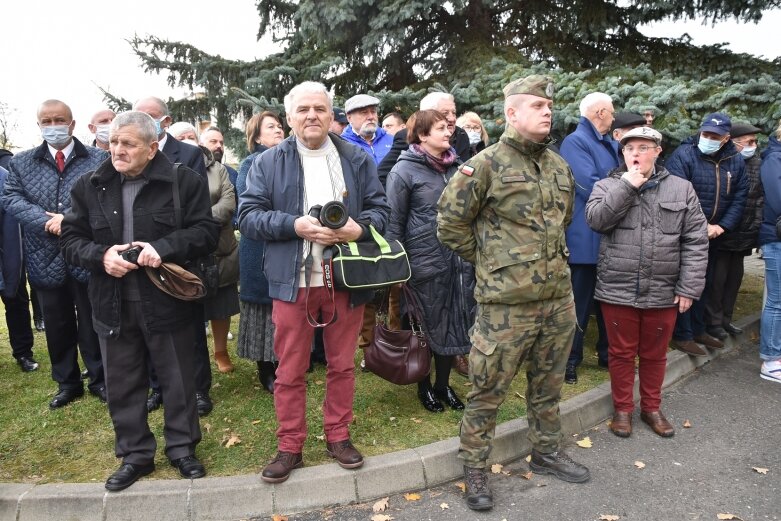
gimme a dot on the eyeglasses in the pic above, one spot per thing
(473, 128)
(642, 149)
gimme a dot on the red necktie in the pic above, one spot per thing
(59, 157)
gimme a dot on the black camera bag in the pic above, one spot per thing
(373, 263)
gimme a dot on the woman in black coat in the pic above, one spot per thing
(442, 283)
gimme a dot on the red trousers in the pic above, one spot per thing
(292, 344)
(633, 332)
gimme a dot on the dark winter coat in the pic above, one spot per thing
(770, 172)
(253, 283)
(5, 157)
(443, 283)
(274, 199)
(654, 240)
(34, 187)
(745, 237)
(718, 179)
(188, 155)
(11, 258)
(95, 223)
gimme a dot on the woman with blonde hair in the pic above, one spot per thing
(473, 125)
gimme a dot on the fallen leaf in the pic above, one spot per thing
(444, 506)
(519, 395)
(392, 418)
(506, 472)
(467, 384)
(233, 440)
(760, 470)
(639, 464)
(318, 382)
(381, 517)
(584, 443)
(496, 468)
(278, 517)
(255, 422)
(416, 420)
(412, 496)
(527, 475)
(528, 458)
(687, 424)
(608, 517)
(207, 427)
(320, 437)
(461, 485)
(728, 516)
(381, 505)
(215, 385)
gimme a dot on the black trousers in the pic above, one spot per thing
(584, 282)
(68, 316)
(128, 359)
(727, 277)
(17, 318)
(200, 353)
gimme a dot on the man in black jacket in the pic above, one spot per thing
(129, 202)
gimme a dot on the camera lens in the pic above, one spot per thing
(333, 215)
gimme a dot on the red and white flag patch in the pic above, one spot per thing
(468, 170)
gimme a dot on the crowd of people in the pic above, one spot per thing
(513, 246)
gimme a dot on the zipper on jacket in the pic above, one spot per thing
(729, 181)
(718, 191)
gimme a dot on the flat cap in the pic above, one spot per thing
(339, 115)
(536, 85)
(744, 129)
(643, 133)
(627, 119)
(360, 101)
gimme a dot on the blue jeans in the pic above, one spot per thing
(770, 328)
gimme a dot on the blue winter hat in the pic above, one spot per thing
(718, 123)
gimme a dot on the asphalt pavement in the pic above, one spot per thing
(705, 470)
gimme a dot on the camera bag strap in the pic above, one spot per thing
(328, 282)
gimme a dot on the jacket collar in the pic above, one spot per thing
(79, 150)
(591, 129)
(525, 146)
(160, 168)
(346, 150)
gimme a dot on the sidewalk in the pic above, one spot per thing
(311, 488)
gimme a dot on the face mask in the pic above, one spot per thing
(101, 134)
(708, 146)
(474, 136)
(158, 128)
(748, 152)
(56, 135)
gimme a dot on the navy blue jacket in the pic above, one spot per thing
(188, 155)
(770, 172)
(35, 186)
(11, 259)
(253, 283)
(274, 199)
(591, 156)
(718, 179)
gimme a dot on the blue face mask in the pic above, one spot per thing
(708, 146)
(56, 135)
(748, 152)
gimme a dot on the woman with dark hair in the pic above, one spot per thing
(442, 282)
(256, 331)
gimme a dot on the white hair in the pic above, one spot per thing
(592, 100)
(141, 120)
(307, 87)
(431, 101)
(180, 127)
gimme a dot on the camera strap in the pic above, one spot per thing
(328, 283)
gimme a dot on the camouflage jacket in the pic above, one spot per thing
(506, 210)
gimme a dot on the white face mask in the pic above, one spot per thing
(748, 152)
(474, 136)
(101, 133)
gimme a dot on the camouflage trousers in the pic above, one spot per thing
(503, 337)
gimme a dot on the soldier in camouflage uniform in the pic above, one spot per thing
(505, 211)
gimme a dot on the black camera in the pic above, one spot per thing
(131, 254)
(332, 214)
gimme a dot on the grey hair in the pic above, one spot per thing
(307, 87)
(160, 104)
(431, 100)
(180, 127)
(135, 118)
(592, 100)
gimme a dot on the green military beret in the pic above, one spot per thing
(536, 85)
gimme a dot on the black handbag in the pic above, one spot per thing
(374, 263)
(400, 357)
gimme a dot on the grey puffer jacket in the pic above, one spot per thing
(442, 282)
(655, 240)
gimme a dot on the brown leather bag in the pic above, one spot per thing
(400, 357)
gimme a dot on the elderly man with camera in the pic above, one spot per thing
(308, 169)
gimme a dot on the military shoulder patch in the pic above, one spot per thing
(468, 170)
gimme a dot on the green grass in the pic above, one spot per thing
(76, 443)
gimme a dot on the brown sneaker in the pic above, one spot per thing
(689, 347)
(706, 339)
(621, 424)
(345, 454)
(658, 423)
(461, 365)
(280, 467)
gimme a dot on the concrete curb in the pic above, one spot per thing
(246, 496)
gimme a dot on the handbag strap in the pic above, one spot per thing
(413, 309)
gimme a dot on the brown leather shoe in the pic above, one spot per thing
(345, 454)
(658, 423)
(461, 365)
(621, 424)
(281, 466)
(706, 339)
(689, 347)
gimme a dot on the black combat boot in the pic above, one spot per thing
(478, 495)
(267, 375)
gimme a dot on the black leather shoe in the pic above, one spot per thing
(65, 396)
(99, 393)
(732, 329)
(570, 374)
(154, 401)
(560, 465)
(39, 326)
(189, 467)
(449, 397)
(478, 495)
(203, 403)
(717, 332)
(267, 375)
(27, 364)
(127, 474)
(428, 400)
